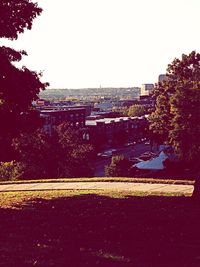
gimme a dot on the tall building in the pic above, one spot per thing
(147, 88)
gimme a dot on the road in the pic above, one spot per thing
(131, 151)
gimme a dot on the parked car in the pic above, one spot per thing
(107, 153)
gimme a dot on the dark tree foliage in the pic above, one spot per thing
(16, 15)
(177, 115)
(136, 110)
(176, 119)
(160, 119)
(18, 86)
(62, 155)
(119, 167)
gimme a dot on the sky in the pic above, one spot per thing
(108, 43)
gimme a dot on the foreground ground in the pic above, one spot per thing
(73, 228)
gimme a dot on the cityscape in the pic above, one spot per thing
(99, 116)
(99, 136)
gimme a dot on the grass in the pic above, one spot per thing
(105, 229)
(18, 199)
(105, 179)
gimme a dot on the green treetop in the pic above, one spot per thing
(176, 119)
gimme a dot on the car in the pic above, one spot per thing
(107, 153)
(147, 143)
(113, 150)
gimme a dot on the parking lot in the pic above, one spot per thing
(129, 151)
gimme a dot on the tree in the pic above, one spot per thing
(176, 119)
(136, 110)
(119, 167)
(78, 155)
(18, 86)
(16, 16)
(160, 119)
(36, 154)
(10, 171)
(62, 155)
(123, 111)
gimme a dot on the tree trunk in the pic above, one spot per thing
(196, 192)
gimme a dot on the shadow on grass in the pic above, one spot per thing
(94, 230)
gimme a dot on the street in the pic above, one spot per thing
(131, 151)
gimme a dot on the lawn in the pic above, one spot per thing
(189, 181)
(82, 228)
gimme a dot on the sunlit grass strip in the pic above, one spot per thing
(106, 179)
(18, 199)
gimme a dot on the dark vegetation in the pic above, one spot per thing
(27, 152)
(93, 230)
(135, 110)
(39, 155)
(176, 119)
(119, 167)
(62, 155)
(19, 85)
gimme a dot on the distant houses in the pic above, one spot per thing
(97, 129)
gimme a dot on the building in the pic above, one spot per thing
(52, 118)
(113, 131)
(42, 104)
(104, 106)
(147, 88)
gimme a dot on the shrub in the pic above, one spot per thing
(119, 167)
(11, 170)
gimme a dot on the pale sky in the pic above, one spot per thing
(88, 43)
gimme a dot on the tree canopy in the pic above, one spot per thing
(136, 110)
(18, 86)
(62, 155)
(176, 118)
(16, 16)
(119, 167)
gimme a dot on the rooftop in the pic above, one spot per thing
(109, 120)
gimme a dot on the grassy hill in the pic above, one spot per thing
(91, 229)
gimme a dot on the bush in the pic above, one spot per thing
(61, 155)
(119, 167)
(11, 170)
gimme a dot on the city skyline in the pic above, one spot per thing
(86, 44)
